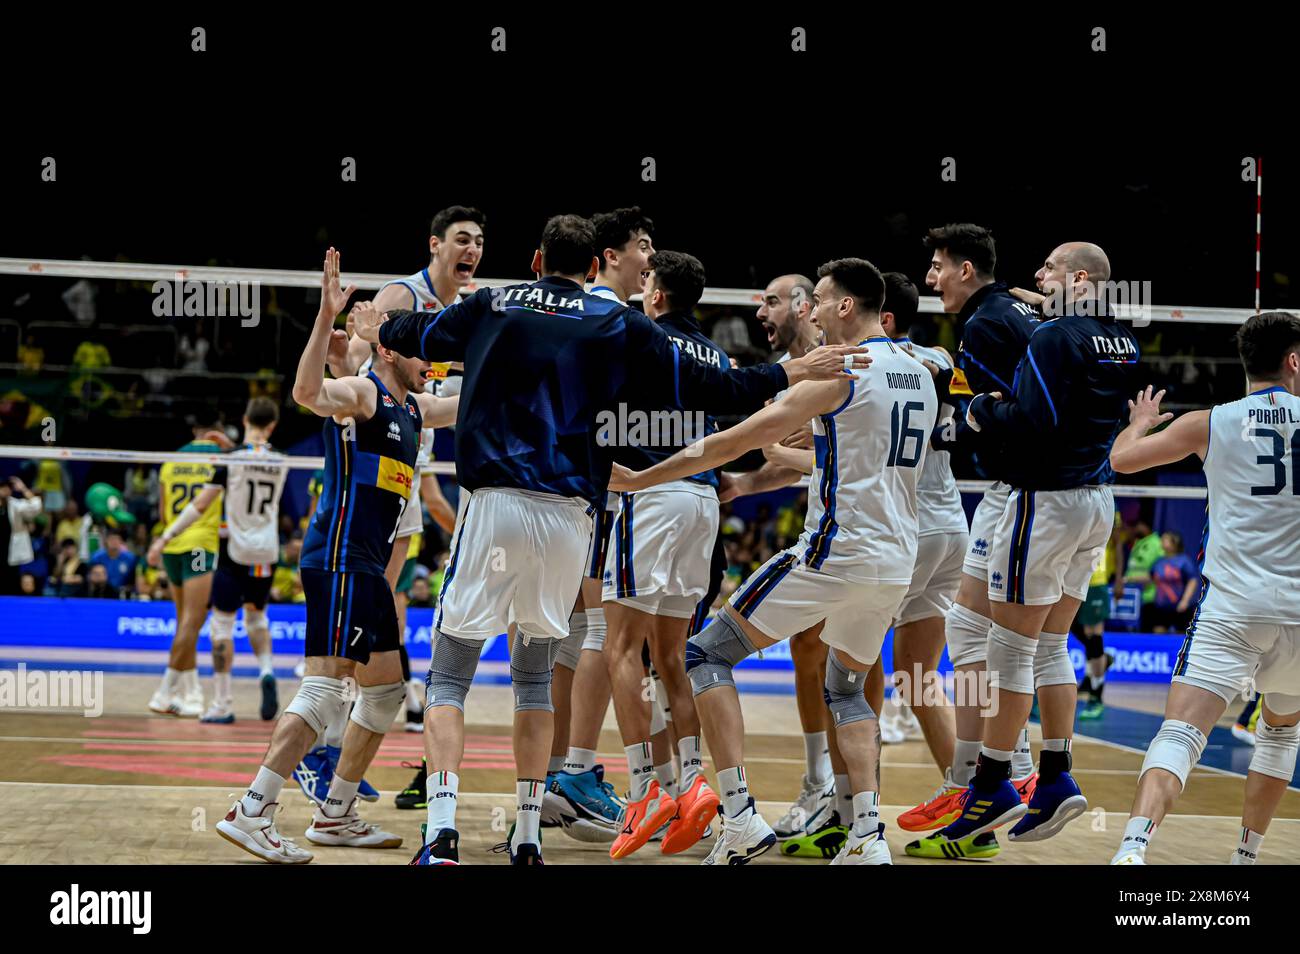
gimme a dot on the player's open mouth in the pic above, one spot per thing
(464, 270)
(645, 277)
(770, 331)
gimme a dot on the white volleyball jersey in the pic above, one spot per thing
(424, 298)
(251, 527)
(412, 519)
(938, 501)
(1251, 564)
(861, 522)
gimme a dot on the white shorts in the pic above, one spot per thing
(515, 555)
(935, 577)
(1047, 544)
(1236, 657)
(661, 550)
(785, 597)
(982, 524)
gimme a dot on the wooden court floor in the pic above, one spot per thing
(166, 781)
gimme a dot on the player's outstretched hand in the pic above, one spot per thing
(333, 299)
(366, 319)
(1144, 411)
(827, 363)
(625, 480)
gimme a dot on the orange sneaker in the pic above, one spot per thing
(641, 819)
(943, 808)
(696, 808)
(1025, 786)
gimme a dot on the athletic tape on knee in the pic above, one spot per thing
(967, 633)
(222, 628)
(319, 700)
(531, 662)
(1011, 660)
(377, 706)
(594, 637)
(451, 670)
(1275, 748)
(1052, 666)
(1176, 748)
(255, 621)
(712, 652)
(844, 693)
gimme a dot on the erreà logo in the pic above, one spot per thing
(394, 431)
(76, 907)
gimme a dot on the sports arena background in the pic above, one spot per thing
(90, 354)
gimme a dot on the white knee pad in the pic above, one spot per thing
(222, 627)
(1052, 661)
(594, 637)
(319, 700)
(377, 706)
(255, 621)
(569, 649)
(1176, 748)
(1011, 660)
(1275, 749)
(967, 633)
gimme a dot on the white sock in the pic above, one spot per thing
(964, 754)
(817, 757)
(596, 624)
(997, 754)
(640, 768)
(441, 789)
(579, 761)
(189, 681)
(528, 818)
(1137, 835)
(734, 790)
(340, 796)
(335, 728)
(1022, 759)
(264, 790)
(866, 813)
(555, 764)
(667, 775)
(221, 688)
(171, 679)
(844, 799)
(1248, 847)
(688, 748)
(265, 664)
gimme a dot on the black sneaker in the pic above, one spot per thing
(270, 701)
(443, 850)
(413, 796)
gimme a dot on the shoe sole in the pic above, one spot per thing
(1066, 812)
(223, 721)
(394, 842)
(761, 848)
(241, 840)
(954, 847)
(270, 701)
(410, 804)
(825, 847)
(1006, 818)
(943, 821)
(590, 832)
(693, 826)
(650, 825)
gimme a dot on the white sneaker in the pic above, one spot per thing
(1242, 734)
(349, 831)
(869, 849)
(256, 834)
(891, 733)
(909, 723)
(219, 712)
(165, 702)
(743, 838)
(1128, 857)
(1242, 857)
(300, 669)
(808, 810)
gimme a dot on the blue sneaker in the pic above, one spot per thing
(984, 811)
(314, 774)
(591, 795)
(443, 850)
(365, 791)
(1051, 807)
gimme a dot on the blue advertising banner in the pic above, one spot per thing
(113, 624)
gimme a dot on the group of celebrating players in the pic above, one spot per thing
(599, 554)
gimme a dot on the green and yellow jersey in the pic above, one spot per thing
(181, 483)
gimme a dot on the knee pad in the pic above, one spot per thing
(531, 661)
(1275, 749)
(569, 649)
(377, 706)
(1011, 660)
(594, 636)
(711, 653)
(319, 701)
(1094, 647)
(451, 670)
(1176, 748)
(967, 633)
(1052, 661)
(844, 693)
(222, 628)
(255, 621)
